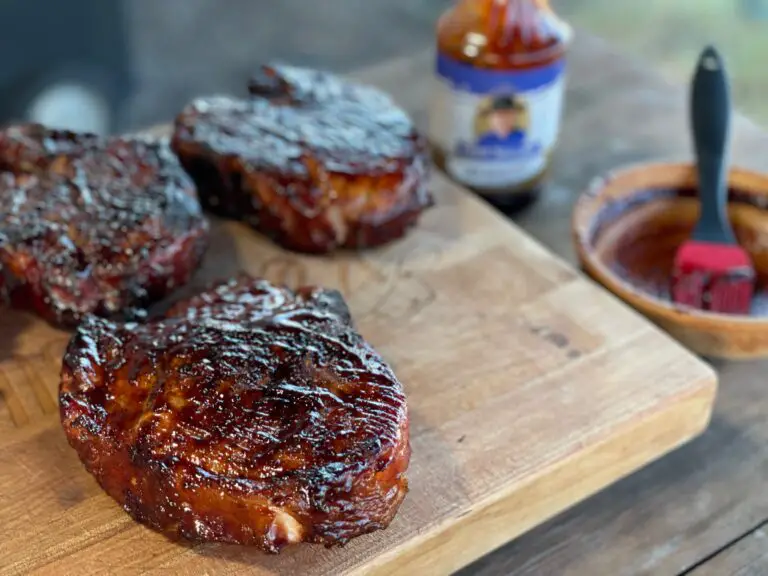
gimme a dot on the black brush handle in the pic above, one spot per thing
(710, 123)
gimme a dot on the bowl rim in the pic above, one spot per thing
(582, 218)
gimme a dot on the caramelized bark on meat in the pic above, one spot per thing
(249, 414)
(91, 225)
(311, 160)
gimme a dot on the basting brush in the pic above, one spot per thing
(711, 271)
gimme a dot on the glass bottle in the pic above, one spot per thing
(496, 105)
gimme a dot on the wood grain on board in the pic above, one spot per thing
(529, 389)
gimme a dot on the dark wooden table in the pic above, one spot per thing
(702, 509)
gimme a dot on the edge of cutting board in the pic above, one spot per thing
(510, 514)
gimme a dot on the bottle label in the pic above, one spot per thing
(497, 128)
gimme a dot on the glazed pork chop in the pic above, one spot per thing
(249, 414)
(93, 226)
(313, 161)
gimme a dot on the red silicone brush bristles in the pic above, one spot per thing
(715, 277)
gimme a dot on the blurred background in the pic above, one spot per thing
(110, 66)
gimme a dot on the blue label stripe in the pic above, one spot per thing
(482, 81)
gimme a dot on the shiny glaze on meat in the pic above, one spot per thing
(313, 161)
(91, 225)
(250, 414)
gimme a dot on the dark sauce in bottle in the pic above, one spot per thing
(496, 105)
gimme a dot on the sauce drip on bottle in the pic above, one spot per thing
(497, 102)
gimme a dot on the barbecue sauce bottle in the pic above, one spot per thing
(498, 96)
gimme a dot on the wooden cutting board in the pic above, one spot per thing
(529, 389)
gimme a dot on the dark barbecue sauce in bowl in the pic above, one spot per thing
(636, 237)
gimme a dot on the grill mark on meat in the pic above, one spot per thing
(249, 414)
(92, 225)
(312, 161)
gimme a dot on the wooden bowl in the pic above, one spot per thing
(627, 227)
